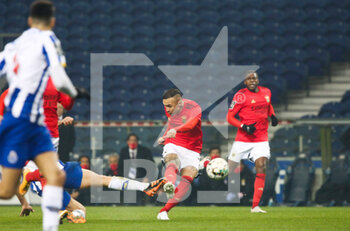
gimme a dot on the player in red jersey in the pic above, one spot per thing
(51, 98)
(182, 145)
(253, 105)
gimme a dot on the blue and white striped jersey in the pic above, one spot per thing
(27, 62)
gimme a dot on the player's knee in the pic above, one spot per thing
(175, 161)
(56, 177)
(7, 193)
(260, 166)
(61, 177)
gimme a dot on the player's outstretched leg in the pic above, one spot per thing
(74, 211)
(120, 183)
(260, 165)
(53, 192)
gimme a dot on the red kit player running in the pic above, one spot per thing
(253, 105)
(182, 145)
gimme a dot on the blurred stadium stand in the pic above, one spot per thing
(290, 41)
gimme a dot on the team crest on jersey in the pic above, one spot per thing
(267, 99)
(12, 158)
(253, 101)
(184, 119)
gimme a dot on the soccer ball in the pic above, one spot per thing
(217, 169)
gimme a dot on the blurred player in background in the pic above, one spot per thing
(27, 62)
(182, 146)
(253, 105)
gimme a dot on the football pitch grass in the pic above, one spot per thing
(190, 218)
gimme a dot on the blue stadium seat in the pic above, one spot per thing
(122, 6)
(164, 30)
(250, 28)
(185, 17)
(101, 7)
(100, 20)
(120, 31)
(252, 15)
(273, 28)
(186, 42)
(295, 75)
(345, 107)
(294, 28)
(346, 97)
(293, 14)
(164, 17)
(186, 30)
(142, 6)
(121, 19)
(294, 42)
(228, 15)
(79, 19)
(142, 30)
(77, 32)
(272, 4)
(273, 15)
(143, 19)
(121, 44)
(337, 47)
(79, 6)
(286, 133)
(165, 56)
(210, 16)
(317, 62)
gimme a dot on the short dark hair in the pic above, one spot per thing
(171, 93)
(213, 148)
(84, 156)
(42, 10)
(132, 134)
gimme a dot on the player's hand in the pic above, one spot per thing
(274, 121)
(171, 133)
(250, 129)
(67, 120)
(161, 140)
(26, 210)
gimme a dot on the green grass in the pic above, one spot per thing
(190, 218)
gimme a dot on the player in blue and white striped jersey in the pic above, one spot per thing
(27, 63)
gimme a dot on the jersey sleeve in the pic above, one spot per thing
(2, 102)
(271, 110)
(66, 101)
(235, 107)
(56, 70)
(2, 64)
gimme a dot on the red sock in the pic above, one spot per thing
(170, 172)
(180, 192)
(33, 176)
(258, 188)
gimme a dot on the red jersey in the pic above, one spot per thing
(192, 138)
(2, 102)
(51, 98)
(252, 107)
